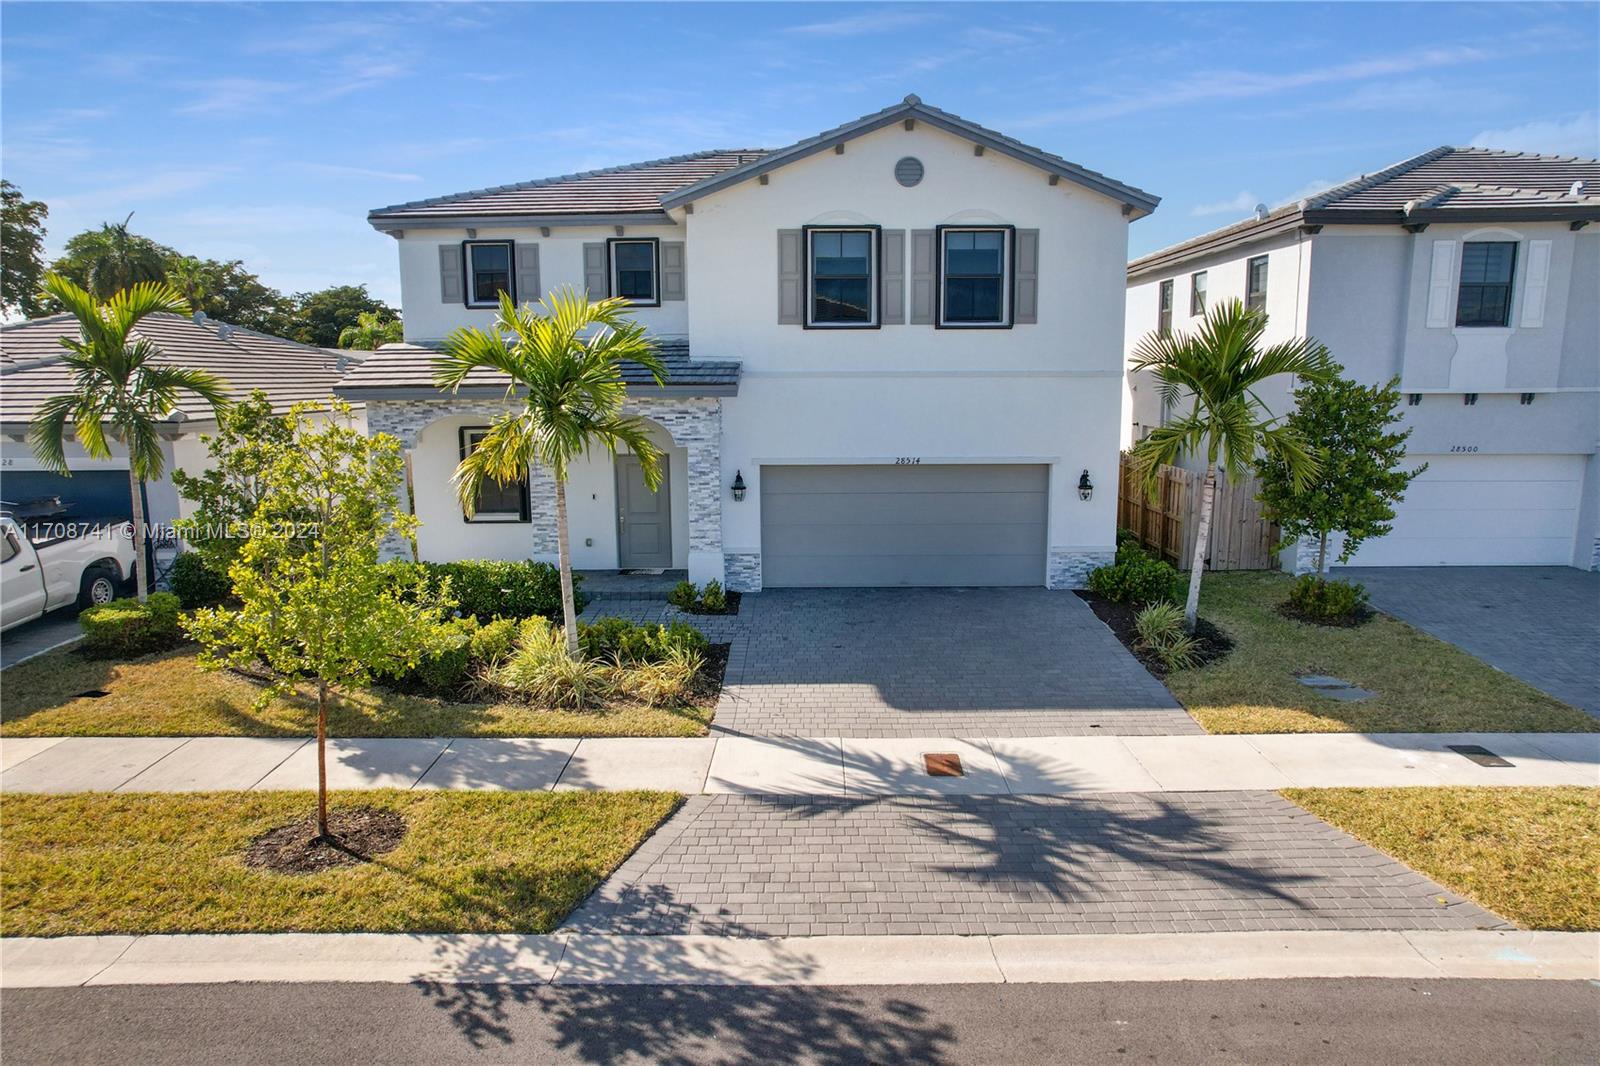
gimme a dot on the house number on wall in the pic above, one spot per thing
(1463, 447)
(908, 460)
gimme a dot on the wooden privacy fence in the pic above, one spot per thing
(1241, 536)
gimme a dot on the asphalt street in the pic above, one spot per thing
(1464, 1023)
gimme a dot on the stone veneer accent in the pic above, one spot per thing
(1069, 568)
(744, 571)
(694, 423)
(1305, 555)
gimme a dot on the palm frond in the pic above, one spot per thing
(47, 433)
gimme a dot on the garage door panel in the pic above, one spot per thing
(1016, 539)
(869, 571)
(1484, 510)
(903, 525)
(869, 509)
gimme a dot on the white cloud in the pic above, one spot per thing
(1235, 206)
(863, 25)
(1579, 135)
(335, 170)
(1242, 84)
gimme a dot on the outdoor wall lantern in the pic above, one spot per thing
(738, 486)
(1085, 489)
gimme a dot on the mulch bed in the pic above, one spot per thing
(1119, 618)
(1359, 617)
(709, 684)
(358, 834)
(733, 599)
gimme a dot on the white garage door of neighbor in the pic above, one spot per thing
(1484, 510)
(927, 524)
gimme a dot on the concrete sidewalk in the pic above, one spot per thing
(829, 766)
(583, 959)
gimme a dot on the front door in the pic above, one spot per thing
(644, 518)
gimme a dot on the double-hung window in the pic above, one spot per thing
(1197, 293)
(1164, 314)
(974, 277)
(497, 501)
(842, 278)
(1487, 268)
(488, 272)
(635, 271)
(1255, 283)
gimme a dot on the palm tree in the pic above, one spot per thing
(1219, 367)
(371, 331)
(119, 392)
(567, 362)
(118, 259)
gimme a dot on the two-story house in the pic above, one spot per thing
(895, 354)
(1474, 277)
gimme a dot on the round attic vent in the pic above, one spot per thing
(908, 171)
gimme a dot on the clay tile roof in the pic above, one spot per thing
(288, 372)
(636, 188)
(399, 368)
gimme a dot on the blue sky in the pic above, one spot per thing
(265, 132)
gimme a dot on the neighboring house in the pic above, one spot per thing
(895, 351)
(1474, 277)
(31, 372)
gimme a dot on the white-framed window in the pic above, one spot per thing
(1197, 293)
(489, 272)
(1164, 309)
(635, 266)
(497, 501)
(842, 277)
(975, 276)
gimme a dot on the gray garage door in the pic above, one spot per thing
(902, 525)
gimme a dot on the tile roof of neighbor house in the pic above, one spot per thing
(287, 371)
(405, 371)
(1443, 185)
(646, 190)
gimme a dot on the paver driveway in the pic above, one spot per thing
(1130, 863)
(1539, 623)
(934, 662)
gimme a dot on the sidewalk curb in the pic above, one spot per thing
(594, 959)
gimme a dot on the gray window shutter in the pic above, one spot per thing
(450, 290)
(791, 278)
(893, 312)
(1026, 284)
(672, 270)
(528, 291)
(923, 276)
(594, 271)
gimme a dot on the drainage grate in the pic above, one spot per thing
(92, 694)
(1479, 754)
(943, 764)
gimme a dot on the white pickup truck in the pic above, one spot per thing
(48, 562)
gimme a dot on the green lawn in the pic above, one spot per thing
(1529, 854)
(1423, 685)
(153, 863)
(169, 695)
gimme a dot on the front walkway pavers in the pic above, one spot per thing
(1127, 863)
(918, 662)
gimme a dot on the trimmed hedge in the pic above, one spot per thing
(493, 588)
(196, 584)
(1316, 597)
(126, 628)
(618, 638)
(1137, 578)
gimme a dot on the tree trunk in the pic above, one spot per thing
(569, 609)
(1202, 540)
(322, 759)
(140, 556)
(1322, 556)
